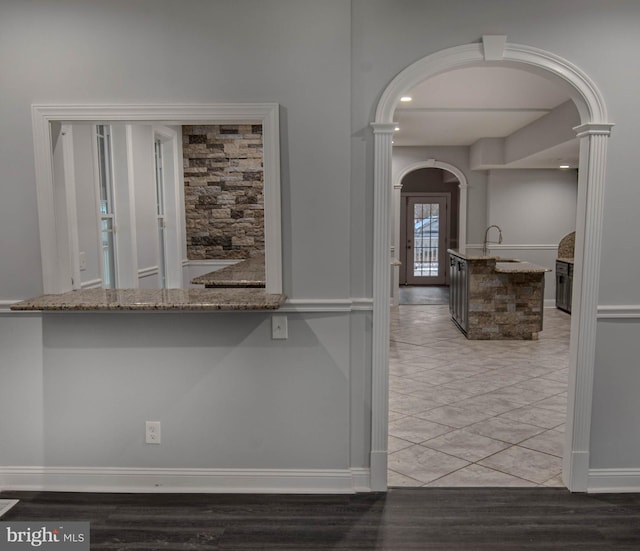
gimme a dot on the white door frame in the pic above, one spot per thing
(173, 209)
(593, 132)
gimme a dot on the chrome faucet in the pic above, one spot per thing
(486, 233)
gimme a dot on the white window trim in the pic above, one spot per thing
(57, 278)
(173, 207)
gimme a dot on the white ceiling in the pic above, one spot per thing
(459, 107)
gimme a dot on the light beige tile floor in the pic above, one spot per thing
(475, 413)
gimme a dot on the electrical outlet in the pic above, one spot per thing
(279, 328)
(82, 260)
(152, 432)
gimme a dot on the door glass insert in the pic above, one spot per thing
(426, 239)
(426, 224)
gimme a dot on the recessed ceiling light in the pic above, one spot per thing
(396, 128)
(565, 166)
(406, 98)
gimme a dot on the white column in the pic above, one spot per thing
(593, 149)
(383, 133)
(462, 214)
(395, 244)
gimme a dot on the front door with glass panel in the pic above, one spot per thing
(426, 242)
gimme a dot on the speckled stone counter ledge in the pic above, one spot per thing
(519, 267)
(154, 300)
(248, 273)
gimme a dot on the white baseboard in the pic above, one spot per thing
(378, 475)
(140, 480)
(614, 481)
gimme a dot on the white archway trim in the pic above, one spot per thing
(463, 185)
(593, 134)
(580, 87)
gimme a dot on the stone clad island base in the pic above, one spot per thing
(494, 299)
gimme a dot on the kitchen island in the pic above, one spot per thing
(495, 298)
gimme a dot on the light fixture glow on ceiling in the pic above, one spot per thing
(565, 166)
(396, 129)
(406, 98)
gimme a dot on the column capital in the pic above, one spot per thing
(592, 129)
(383, 127)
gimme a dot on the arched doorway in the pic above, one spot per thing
(461, 218)
(593, 133)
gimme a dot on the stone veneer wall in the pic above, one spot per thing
(223, 191)
(503, 306)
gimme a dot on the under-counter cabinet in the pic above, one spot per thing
(564, 285)
(459, 291)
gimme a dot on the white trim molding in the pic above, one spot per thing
(593, 133)
(148, 271)
(614, 481)
(159, 480)
(619, 311)
(91, 284)
(54, 223)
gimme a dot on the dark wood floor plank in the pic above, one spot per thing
(447, 519)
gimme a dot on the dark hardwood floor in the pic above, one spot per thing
(415, 518)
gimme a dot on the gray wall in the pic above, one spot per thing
(535, 209)
(261, 403)
(326, 63)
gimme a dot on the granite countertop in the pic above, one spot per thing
(154, 300)
(565, 259)
(519, 267)
(503, 265)
(247, 273)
